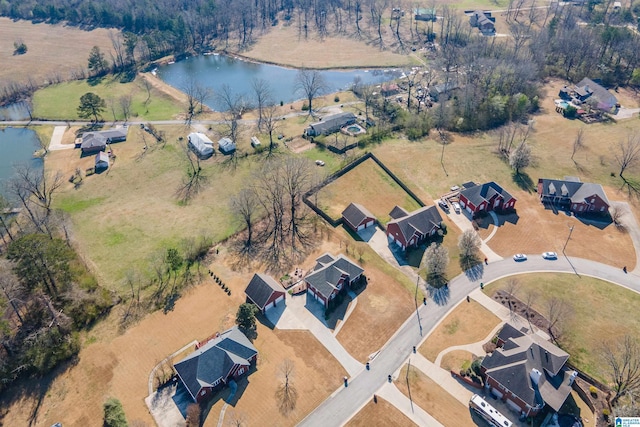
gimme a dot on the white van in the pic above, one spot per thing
(456, 207)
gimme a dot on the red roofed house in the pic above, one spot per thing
(411, 229)
(485, 197)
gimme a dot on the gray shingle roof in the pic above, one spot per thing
(422, 220)
(325, 277)
(513, 364)
(214, 361)
(355, 214)
(577, 192)
(99, 139)
(606, 100)
(484, 192)
(398, 212)
(332, 123)
(260, 289)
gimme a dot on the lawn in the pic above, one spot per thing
(467, 323)
(600, 313)
(61, 101)
(380, 414)
(119, 365)
(456, 360)
(435, 400)
(369, 185)
(53, 51)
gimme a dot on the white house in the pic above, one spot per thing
(200, 144)
(226, 146)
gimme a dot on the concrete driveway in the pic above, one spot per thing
(298, 315)
(463, 221)
(56, 139)
(629, 221)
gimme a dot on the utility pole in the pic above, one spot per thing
(408, 384)
(415, 299)
(568, 238)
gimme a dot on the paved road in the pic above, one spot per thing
(339, 407)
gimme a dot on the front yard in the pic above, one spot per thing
(380, 414)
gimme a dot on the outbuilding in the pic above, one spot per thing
(264, 292)
(226, 146)
(102, 161)
(200, 144)
(357, 217)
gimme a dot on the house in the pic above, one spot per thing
(389, 89)
(102, 160)
(226, 145)
(410, 229)
(330, 276)
(216, 363)
(573, 195)
(527, 372)
(357, 217)
(483, 21)
(264, 292)
(330, 124)
(436, 91)
(93, 142)
(200, 144)
(603, 100)
(425, 14)
(485, 197)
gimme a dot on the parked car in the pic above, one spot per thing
(519, 257)
(456, 207)
(550, 255)
(319, 163)
(443, 205)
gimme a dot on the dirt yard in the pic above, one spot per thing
(537, 230)
(52, 50)
(466, 324)
(435, 400)
(380, 414)
(369, 185)
(119, 366)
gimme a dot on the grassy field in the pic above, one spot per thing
(380, 414)
(468, 323)
(52, 50)
(369, 185)
(119, 365)
(596, 318)
(61, 101)
(456, 359)
(435, 400)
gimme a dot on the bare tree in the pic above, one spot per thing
(286, 394)
(271, 123)
(11, 288)
(193, 415)
(530, 298)
(578, 143)
(262, 94)
(194, 178)
(125, 106)
(436, 260)
(234, 105)
(190, 89)
(521, 157)
(469, 243)
(245, 206)
(558, 313)
(5, 207)
(238, 419)
(622, 358)
(311, 84)
(511, 288)
(627, 153)
(297, 177)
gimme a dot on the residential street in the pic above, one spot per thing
(343, 404)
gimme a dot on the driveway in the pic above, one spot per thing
(298, 315)
(629, 221)
(463, 221)
(56, 139)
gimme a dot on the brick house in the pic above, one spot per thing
(330, 276)
(410, 229)
(485, 197)
(264, 292)
(573, 195)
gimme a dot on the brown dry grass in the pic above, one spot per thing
(454, 360)
(119, 366)
(283, 46)
(468, 323)
(369, 185)
(52, 49)
(435, 400)
(539, 230)
(380, 414)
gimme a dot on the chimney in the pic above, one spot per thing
(535, 376)
(572, 378)
(546, 354)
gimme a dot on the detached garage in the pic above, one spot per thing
(357, 217)
(264, 292)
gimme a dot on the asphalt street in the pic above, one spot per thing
(346, 401)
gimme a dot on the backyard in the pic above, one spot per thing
(585, 329)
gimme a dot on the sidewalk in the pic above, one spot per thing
(443, 378)
(391, 394)
(464, 223)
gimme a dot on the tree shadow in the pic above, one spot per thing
(440, 295)
(95, 80)
(474, 270)
(523, 180)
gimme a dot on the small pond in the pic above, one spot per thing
(17, 146)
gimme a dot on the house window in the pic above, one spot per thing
(240, 371)
(602, 209)
(203, 392)
(593, 200)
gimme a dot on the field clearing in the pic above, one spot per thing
(52, 50)
(540, 230)
(454, 360)
(435, 400)
(369, 185)
(282, 45)
(586, 327)
(61, 101)
(380, 414)
(467, 323)
(383, 306)
(119, 366)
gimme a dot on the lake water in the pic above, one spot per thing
(15, 111)
(213, 71)
(17, 146)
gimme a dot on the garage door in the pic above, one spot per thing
(281, 298)
(369, 224)
(268, 306)
(362, 227)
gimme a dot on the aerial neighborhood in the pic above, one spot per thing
(319, 213)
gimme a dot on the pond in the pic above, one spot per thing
(17, 146)
(15, 111)
(214, 71)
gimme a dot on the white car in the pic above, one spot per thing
(456, 207)
(319, 163)
(519, 257)
(550, 255)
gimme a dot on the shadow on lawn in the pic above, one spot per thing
(523, 180)
(230, 395)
